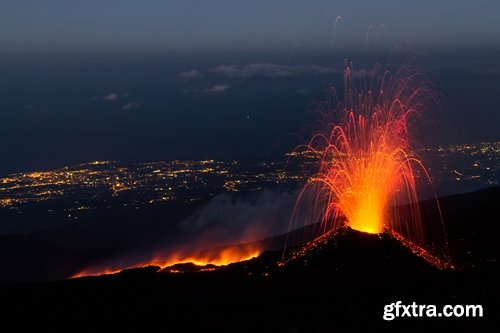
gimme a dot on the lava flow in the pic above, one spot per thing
(367, 161)
(220, 256)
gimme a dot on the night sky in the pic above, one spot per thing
(152, 80)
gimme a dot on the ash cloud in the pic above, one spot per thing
(227, 219)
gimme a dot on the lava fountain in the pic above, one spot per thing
(367, 156)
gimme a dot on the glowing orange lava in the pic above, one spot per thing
(367, 163)
(221, 256)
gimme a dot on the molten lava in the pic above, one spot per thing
(220, 256)
(367, 162)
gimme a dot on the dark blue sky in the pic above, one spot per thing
(55, 25)
(151, 80)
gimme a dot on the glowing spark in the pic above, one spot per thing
(292, 52)
(366, 159)
(335, 29)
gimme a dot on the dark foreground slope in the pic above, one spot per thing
(340, 284)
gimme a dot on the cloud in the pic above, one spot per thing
(217, 89)
(227, 219)
(131, 105)
(272, 70)
(302, 91)
(189, 75)
(111, 97)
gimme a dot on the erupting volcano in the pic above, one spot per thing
(367, 169)
(367, 156)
